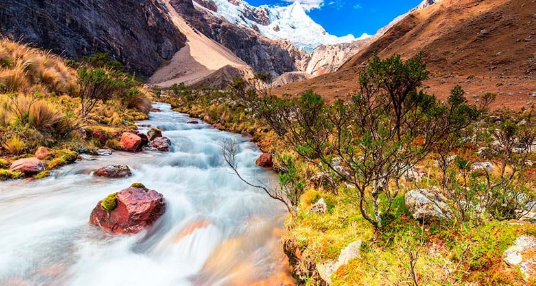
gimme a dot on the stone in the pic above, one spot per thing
(192, 122)
(487, 166)
(219, 126)
(130, 142)
(144, 138)
(484, 32)
(426, 205)
(136, 209)
(41, 153)
(161, 144)
(322, 179)
(154, 133)
(521, 254)
(265, 160)
(155, 110)
(319, 207)
(246, 134)
(97, 134)
(28, 166)
(326, 269)
(104, 152)
(113, 171)
(415, 174)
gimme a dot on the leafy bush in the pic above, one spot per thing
(95, 85)
(15, 145)
(110, 202)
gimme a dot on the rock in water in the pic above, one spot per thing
(130, 142)
(113, 171)
(265, 160)
(161, 144)
(135, 209)
(426, 205)
(28, 166)
(154, 133)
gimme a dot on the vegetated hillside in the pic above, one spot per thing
(484, 46)
(138, 33)
(55, 108)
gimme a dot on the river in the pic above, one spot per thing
(216, 230)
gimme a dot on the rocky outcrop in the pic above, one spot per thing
(319, 207)
(261, 53)
(161, 144)
(131, 142)
(426, 205)
(350, 252)
(129, 211)
(113, 171)
(521, 254)
(265, 160)
(138, 33)
(28, 166)
(290, 77)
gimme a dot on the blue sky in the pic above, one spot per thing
(343, 17)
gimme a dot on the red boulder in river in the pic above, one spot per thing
(134, 209)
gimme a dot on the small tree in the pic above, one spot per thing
(95, 85)
(371, 140)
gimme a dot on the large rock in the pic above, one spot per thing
(522, 254)
(265, 160)
(161, 144)
(41, 153)
(154, 133)
(426, 205)
(135, 209)
(131, 142)
(350, 252)
(113, 171)
(487, 166)
(28, 166)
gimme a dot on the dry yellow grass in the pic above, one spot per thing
(26, 69)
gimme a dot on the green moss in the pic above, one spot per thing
(42, 175)
(61, 158)
(110, 202)
(139, 186)
(4, 164)
(9, 175)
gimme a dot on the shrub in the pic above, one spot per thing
(43, 115)
(110, 202)
(95, 85)
(134, 99)
(4, 164)
(113, 144)
(15, 145)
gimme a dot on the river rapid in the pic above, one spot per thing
(215, 231)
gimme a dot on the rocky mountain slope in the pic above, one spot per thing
(261, 53)
(137, 33)
(276, 22)
(485, 46)
(329, 58)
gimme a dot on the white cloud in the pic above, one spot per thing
(358, 6)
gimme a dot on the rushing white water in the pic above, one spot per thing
(216, 230)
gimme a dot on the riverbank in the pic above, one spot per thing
(215, 228)
(437, 253)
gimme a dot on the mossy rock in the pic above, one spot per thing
(110, 202)
(42, 175)
(139, 186)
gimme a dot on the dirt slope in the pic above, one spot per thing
(200, 58)
(482, 45)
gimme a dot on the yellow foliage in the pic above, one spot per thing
(14, 145)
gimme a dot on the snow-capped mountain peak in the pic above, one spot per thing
(277, 22)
